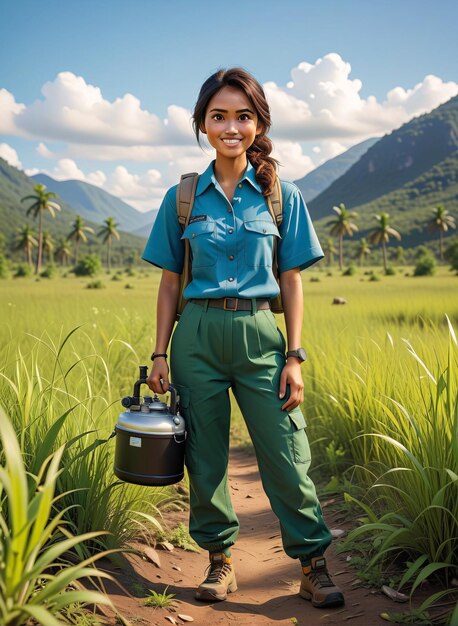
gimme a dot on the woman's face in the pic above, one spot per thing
(231, 122)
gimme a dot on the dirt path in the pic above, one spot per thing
(268, 580)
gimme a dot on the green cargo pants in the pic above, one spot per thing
(211, 351)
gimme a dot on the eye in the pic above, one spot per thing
(245, 115)
(216, 115)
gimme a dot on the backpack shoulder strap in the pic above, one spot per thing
(186, 192)
(274, 202)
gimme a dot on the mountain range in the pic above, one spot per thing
(405, 173)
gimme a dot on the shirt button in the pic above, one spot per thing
(240, 185)
(229, 210)
(230, 231)
(193, 234)
(264, 230)
(231, 257)
(230, 279)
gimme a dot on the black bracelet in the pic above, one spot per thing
(154, 355)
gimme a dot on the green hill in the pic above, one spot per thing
(96, 204)
(324, 175)
(406, 174)
(14, 185)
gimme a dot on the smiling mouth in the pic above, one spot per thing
(231, 141)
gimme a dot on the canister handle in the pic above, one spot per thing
(142, 381)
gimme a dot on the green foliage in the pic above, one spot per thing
(62, 394)
(350, 271)
(426, 265)
(23, 270)
(373, 278)
(390, 271)
(95, 284)
(90, 265)
(180, 537)
(159, 599)
(28, 588)
(451, 255)
(4, 266)
(50, 271)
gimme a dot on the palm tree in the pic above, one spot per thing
(48, 245)
(363, 250)
(41, 202)
(79, 233)
(63, 251)
(108, 231)
(441, 221)
(25, 240)
(342, 226)
(381, 235)
(329, 250)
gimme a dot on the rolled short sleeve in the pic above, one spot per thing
(299, 245)
(164, 247)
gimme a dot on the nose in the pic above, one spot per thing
(231, 128)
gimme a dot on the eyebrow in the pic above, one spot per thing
(239, 111)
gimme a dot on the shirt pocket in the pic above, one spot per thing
(202, 239)
(258, 244)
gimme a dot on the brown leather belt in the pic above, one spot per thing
(232, 304)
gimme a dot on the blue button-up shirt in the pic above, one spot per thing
(232, 243)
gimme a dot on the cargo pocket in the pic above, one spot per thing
(300, 447)
(184, 407)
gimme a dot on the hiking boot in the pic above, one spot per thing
(317, 586)
(220, 579)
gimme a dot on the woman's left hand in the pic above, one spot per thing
(291, 375)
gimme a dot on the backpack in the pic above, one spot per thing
(186, 191)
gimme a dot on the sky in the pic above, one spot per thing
(103, 90)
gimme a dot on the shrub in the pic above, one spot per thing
(426, 265)
(4, 266)
(374, 278)
(49, 271)
(90, 265)
(451, 255)
(350, 271)
(28, 588)
(390, 271)
(95, 284)
(314, 279)
(23, 270)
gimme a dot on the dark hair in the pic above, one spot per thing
(259, 151)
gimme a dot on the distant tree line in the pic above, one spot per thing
(26, 240)
(341, 225)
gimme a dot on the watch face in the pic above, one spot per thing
(302, 354)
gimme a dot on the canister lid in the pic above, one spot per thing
(152, 423)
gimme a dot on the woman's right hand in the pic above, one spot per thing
(159, 371)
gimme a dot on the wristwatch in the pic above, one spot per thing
(299, 353)
(155, 354)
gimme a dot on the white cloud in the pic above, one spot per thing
(10, 155)
(294, 164)
(319, 110)
(9, 110)
(322, 103)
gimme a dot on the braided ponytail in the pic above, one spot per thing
(259, 151)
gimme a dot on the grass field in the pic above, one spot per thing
(381, 389)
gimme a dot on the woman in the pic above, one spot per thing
(227, 336)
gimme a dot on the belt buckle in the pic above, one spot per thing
(226, 308)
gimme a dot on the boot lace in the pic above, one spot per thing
(217, 572)
(321, 577)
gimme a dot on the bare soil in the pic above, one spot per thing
(268, 580)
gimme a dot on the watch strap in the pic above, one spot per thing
(155, 354)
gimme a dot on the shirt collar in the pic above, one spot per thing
(208, 177)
